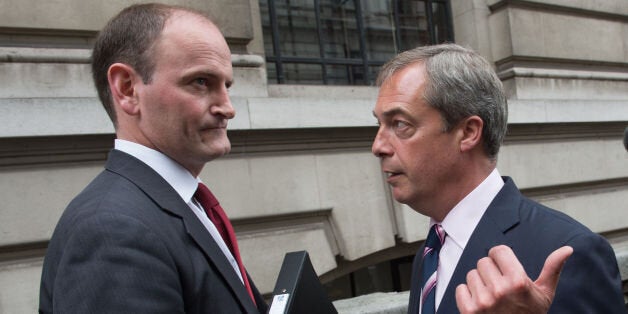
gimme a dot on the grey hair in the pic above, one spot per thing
(460, 83)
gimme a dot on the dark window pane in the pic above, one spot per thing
(339, 29)
(345, 74)
(379, 29)
(440, 22)
(413, 25)
(296, 73)
(271, 72)
(345, 41)
(297, 28)
(373, 71)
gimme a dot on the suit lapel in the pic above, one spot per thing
(501, 216)
(201, 236)
(169, 200)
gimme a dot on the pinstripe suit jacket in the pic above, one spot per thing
(128, 243)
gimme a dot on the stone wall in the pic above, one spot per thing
(301, 175)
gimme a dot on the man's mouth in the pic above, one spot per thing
(390, 174)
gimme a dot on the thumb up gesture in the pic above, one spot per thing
(499, 284)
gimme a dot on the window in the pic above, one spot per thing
(345, 42)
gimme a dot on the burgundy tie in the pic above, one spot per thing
(217, 215)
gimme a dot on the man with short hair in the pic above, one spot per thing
(442, 117)
(146, 236)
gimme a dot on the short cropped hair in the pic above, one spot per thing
(129, 38)
(460, 83)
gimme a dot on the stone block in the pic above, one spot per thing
(587, 206)
(500, 35)
(39, 80)
(339, 93)
(351, 184)
(599, 40)
(568, 88)
(459, 7)
(279, 113)
(263, 252)
(53, 117)
(70, 15)
(563, 162)
(482, 43)
(19, 286)
(375, 303)
(249, 82)
(345, 182)
(34, 198)
(621, 251)
(232, 16)
(562, 111)
(241, 121)
(272, 184)
(527, 32)
(566, 84)
(542, 34)
(625, 36)
(411, 225)
(603, 6)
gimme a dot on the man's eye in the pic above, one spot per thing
(201, 82)
(399, 124)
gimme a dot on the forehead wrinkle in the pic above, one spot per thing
(196, 52)
(397, 110)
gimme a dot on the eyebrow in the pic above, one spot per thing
(392, 112)
(211, 75)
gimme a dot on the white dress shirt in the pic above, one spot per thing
(459, 225)
(182, 182)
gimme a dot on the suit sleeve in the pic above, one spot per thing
(590, 281)
(113, 263)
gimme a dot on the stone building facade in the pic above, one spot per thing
(301, 175)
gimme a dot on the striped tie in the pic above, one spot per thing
(434, 242)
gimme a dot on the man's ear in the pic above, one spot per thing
(122, 83)
(471, 130)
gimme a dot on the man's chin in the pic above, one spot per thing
(219, 151)
(399, 196)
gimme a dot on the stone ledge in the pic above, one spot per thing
(83, 55)
(375, 303)
(84, 115)
(562, 74)
(621, 253)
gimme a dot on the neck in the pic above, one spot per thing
(455, 192)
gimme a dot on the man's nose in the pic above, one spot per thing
(222, 105)
(381, 146)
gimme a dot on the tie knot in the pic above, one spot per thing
(435, 238)
(205, 197)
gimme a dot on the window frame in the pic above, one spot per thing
(279, 60)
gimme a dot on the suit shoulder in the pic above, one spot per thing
(108, 191)
(541, 215)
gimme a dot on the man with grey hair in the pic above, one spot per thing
(442, 117)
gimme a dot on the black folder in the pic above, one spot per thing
(298, 289)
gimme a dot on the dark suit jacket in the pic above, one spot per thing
(590, 281)
(128, 243)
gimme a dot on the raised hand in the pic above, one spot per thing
(499, 284)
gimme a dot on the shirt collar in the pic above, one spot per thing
(464, 217)
(178, 177)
